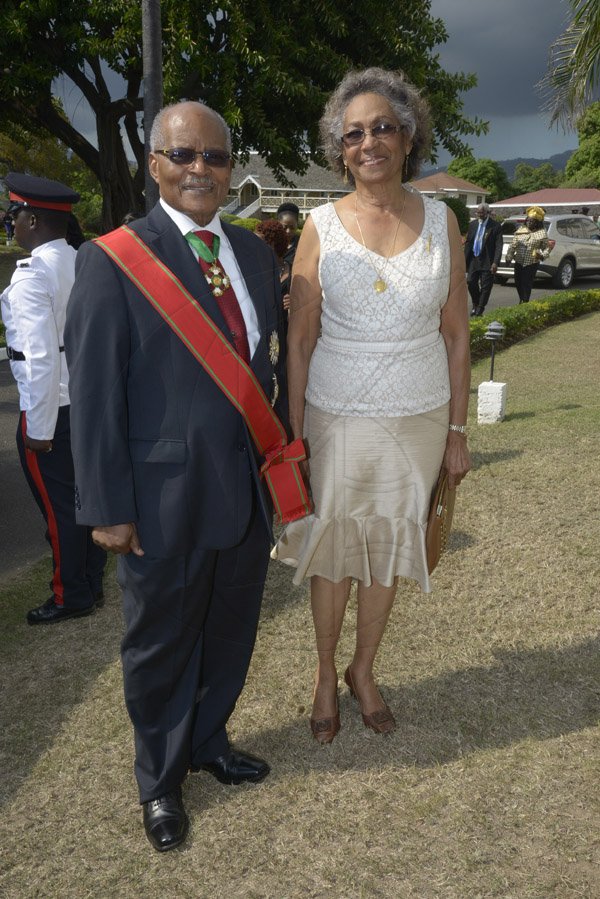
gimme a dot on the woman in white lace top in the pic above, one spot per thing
(378, 368)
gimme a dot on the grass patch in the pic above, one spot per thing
(489, 786)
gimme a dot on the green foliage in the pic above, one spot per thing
(460, 211)
(249, 223)
(484, 173)
(528, 178)
(583, 167)
(528, 318)
(574, 66)
(266, 67)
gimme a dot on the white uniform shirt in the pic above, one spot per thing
(34, 307)
(230, 266)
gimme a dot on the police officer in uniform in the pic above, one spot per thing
(33, 310)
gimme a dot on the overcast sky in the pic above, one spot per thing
(505, 43)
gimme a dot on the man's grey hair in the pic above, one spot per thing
(409, 107)
(485, 208)
(157, 132)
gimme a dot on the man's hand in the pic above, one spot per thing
(37, 446)
(493, 268)
(118, 538)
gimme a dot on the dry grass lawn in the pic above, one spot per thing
(488, 788)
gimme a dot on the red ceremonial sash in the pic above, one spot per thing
(219, 359)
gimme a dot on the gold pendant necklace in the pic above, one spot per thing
(379, 284)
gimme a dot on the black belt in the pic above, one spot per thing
(18, 356)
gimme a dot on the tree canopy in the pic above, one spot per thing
(583, 167)
(267, 67)
(574, 66)
(485, 173)
(528, 178)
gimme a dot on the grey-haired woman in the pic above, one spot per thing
(378, 368)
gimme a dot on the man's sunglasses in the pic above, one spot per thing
(216, 159)
(378, 132)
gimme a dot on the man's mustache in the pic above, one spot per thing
(191, 183)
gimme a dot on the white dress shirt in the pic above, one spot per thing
(229, 264)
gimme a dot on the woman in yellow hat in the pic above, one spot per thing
(529, 246)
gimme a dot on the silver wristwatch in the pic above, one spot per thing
(460, 429)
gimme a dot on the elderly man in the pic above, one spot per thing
(483, 249)
(168, 316)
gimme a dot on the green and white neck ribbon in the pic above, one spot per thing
(202, 249)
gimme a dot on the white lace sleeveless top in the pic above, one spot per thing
(381, 354)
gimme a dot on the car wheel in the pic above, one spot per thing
(564, 275)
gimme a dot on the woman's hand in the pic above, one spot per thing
(457, 458)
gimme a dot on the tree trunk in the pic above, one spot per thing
(119, 194)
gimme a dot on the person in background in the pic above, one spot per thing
(75, 236)
(34, 307)
(529, 246)
(274, 233)
(289, 215)
(378, 372)
(7, 221)
(167, 472)
(483, 249)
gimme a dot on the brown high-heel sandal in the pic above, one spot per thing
(381, 721)
(324, 730)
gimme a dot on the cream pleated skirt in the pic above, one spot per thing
(371, 481)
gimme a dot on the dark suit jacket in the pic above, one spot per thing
(491, 247)
(155, 441)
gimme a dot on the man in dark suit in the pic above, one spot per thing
(483, 249)
(165, 468)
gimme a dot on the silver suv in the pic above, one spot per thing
(575, 248)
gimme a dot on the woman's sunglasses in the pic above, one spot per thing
(216, 159)
(378, 132)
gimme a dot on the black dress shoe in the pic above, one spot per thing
(236, 768)
(165, 821)
(50, 613)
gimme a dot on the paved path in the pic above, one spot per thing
(21, 523)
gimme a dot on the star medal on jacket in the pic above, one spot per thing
(217, 280)
(274, 347)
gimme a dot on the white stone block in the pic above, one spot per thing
(491, 402)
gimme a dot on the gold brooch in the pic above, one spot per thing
(274, 348)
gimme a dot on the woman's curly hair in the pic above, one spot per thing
(409, 107)
(274, 234)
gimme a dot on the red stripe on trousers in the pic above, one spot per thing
(31, 459)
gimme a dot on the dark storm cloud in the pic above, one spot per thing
(505, 43)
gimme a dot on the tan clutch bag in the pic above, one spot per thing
(440, 520)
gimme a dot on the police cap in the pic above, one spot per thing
(41, 193)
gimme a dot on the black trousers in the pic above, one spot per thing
(78, 564)
(480, 283)
(190, 628)
(524, 278)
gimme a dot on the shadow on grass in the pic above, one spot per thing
(528, 694)
(519, 416)
(46, 671)
(480, 459)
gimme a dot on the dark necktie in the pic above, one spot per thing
(206, 245)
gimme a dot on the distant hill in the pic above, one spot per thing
(558, 161)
